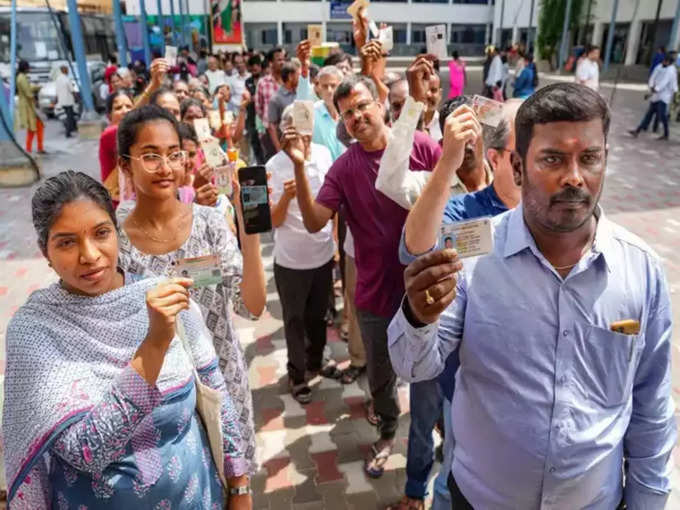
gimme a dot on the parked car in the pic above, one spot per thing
(47, 96)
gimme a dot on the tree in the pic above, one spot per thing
(550, 21)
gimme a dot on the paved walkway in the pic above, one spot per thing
(312, 456)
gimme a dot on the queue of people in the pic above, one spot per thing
(545, 363)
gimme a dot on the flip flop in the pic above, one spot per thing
(330, 371)
(351, 374)
(407, 503)
(378, 459)
(371, 416)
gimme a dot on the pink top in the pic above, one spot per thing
(456, 78)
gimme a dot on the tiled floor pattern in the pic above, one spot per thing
(311, 456)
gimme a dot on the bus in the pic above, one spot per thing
(46, 46)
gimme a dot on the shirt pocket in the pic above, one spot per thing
(607, 365)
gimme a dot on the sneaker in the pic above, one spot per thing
(663, 137)
(633, 132)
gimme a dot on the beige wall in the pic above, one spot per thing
(103, 6)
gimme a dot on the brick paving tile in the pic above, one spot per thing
(312, 457)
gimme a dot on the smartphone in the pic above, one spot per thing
(255, 199)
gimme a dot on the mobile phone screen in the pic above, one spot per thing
(255, 199)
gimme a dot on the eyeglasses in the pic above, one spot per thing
(361, 108)
(152, 163)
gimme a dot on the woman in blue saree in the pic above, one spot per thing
(100, 395)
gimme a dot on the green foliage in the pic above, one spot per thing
(550, 21)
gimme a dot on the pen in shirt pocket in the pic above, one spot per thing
(627, 327)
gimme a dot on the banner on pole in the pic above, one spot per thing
(227, 26)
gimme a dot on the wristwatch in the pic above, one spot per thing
(239, 491)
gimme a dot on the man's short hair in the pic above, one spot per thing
(560, 102)
(449, 106)
(288, 69)
(335, 58)
(330, 71)
(497, 137)
(271, 53)
(347, 85)
(255, 60)
(286, 117)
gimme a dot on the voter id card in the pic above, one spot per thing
(202, 270)
(214, 119)
(213, 153)
(202, 127)
(303, 116)
(386, 38)
(488, 111)
(470, 238)
(171, 55)
(314, 35)
(223, 176)
(435, 39)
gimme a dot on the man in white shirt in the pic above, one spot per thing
(303, 262)
(237, 80)
(663, 84)
(494, 79)
(216, 77)
(588, 68)
(66, 99)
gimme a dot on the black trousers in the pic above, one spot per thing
(304, 301)
(70, 120)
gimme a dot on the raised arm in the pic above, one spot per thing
(461, 127)
(94, 441)
(314, 215)
(159, 68)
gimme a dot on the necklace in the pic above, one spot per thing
(157, 239)
(583, 251)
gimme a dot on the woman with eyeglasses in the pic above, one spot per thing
(161, 230)
(100, 392)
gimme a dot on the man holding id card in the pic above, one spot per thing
(563, 326)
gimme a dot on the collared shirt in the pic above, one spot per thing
(664, 83)
(588, 72)
(459, 188)
(237, 84)
(294, 247)
(325, 129)
(64, 87)
(495, 72)
(434, 129)
(278, 103)
(215, 79)
(547, 396)
(266, 88)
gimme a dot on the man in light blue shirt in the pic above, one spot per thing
(549, 400)
(325, 115)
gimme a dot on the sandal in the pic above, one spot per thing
(374, 466)
(301, 392)
(371, 417)
(407, 503)
(330, 371)
(351, 374)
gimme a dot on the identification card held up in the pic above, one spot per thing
(488, 111)
(469, 238)
(213, 153)
(386, 38)
(202, 270)
(303, 116)
(171, 55)
(314, 35)
(435, 37)
(214, 119)
(353, 10)
(202, 127)
(223, 176)
(228, 118)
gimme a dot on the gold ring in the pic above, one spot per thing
(428, 298)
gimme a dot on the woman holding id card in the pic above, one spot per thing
(161, 236)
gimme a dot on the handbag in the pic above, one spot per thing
(209, 407)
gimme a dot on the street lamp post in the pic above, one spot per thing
(121, 41)
(610, 36)
(79, 52)
(565, 30)
(145, 33)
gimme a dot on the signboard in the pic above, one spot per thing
(226, 18)
(339, 10)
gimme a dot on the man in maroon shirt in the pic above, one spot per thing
(376, 223)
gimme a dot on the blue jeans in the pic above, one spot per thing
(658, 107)
(426, 408)
(442, 495)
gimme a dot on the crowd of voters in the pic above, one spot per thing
(545, 363)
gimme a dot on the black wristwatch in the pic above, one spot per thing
(239, 491)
